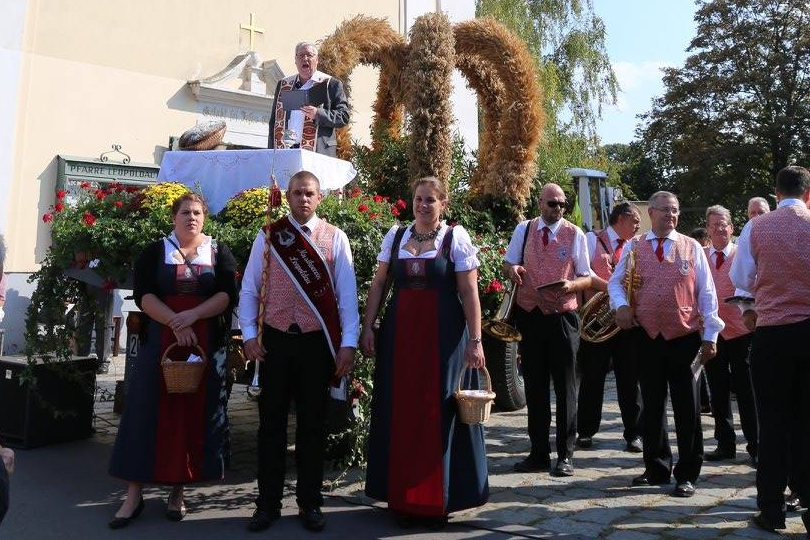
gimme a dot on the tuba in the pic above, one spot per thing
(501, 327)
(598, 320)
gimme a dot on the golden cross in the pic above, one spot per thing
(252, 29)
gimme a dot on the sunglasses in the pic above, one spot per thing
(556, 204)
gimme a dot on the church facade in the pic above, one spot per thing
(88, 75)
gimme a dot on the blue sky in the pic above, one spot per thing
(642, 37)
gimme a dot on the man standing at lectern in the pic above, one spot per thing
(313, 125)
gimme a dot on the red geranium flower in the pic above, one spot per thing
(401, 204)
(85, 185)
(131, 189)
(502, 251)
(100, 194)
(118, 204)
(60, 194)
(59, 206)
(484, 249)
(378, 199)
(362, 208)
(395, 211)
(356, 192)
(47, 218)
(494, 286)
(372, 215)
(89, 219)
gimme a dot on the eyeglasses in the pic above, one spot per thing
(306, 55)
(668, 210)
(556, 204)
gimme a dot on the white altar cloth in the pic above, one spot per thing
(221, 174)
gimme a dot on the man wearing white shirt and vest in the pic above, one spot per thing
(771, 262)
(676, 290)
(313, 126)
(549, 252)
(605, 249)
(730, 368)
(310, 331)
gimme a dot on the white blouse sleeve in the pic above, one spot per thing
(385, 248)
(462, 252)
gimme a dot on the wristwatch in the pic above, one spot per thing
(475, 339)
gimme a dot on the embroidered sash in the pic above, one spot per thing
(310, 131)
(309, 272)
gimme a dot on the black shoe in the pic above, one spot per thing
(103, 368)
(635, 446)
(719, 454)
(565, 467)
(262, 519)
(531, 465)
(176, 515)
(706, 409)
(766, 524)
(312, 519)
(647, 480)
(754, 461)
(684, 489)
(121, 522)
(584, 442)
(792, 502)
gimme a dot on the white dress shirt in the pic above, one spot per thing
(743, 271)
(296, 121)
(592, 239)
(462, 252)
(172, 255)
(579, 251)
(704, 285)
(344, 281)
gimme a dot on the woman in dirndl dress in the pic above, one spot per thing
(422, 459)
(185, 286)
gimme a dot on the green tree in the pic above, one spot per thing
(739, 109)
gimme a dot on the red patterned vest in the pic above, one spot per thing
(779, 245)
(730, 314)
(666, 302)
(283, 304)
(546, 264)
(601, 262)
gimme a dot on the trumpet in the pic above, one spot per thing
(598, 320)
(501, 327)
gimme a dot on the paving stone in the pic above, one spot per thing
(630, 535)
(571, 526)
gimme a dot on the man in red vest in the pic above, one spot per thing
(676, 290)
(548, 258)
(605, 249)
(730, 366)
(771, 262)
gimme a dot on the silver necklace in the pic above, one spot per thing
(419, 237)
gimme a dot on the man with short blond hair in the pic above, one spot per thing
(757, 206)
(675, 293)
(730, 368)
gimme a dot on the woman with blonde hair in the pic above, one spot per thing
(422, 460)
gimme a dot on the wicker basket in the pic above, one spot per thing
(474, 405)
(182, 377)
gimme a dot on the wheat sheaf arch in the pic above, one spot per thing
(416, 77)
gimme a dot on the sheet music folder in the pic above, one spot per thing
(292, 100)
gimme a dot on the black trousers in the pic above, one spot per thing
(595, 360)
(666, 364)
(780, 365)
(731, 369)
(548, 350)
(297, 367)
(4, 491)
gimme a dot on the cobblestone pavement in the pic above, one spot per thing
(596, 502)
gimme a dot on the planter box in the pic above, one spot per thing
(26, 423)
